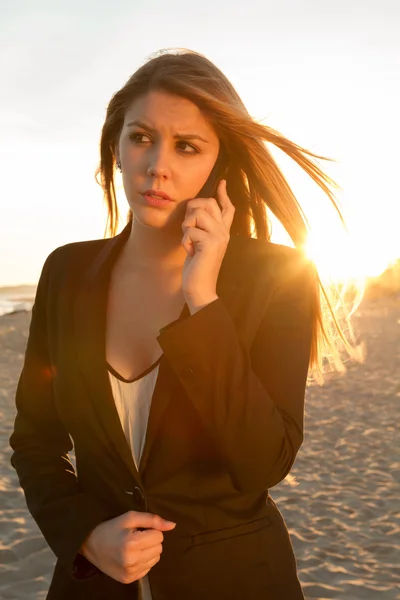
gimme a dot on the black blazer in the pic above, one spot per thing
(225, 424)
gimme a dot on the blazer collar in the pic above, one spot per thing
(90, 335)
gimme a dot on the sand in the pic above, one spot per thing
(344, 513)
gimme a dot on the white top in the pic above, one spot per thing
(133, 400)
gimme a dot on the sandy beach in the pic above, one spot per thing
(344, 512)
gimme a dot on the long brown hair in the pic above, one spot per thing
(254, 180)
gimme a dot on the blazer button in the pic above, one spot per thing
(139, 495)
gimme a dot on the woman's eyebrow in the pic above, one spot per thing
(178, 136)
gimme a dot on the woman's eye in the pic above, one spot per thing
(136, 137)
(193, 150)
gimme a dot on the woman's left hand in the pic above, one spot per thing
(206, 229)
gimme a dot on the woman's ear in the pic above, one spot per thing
(117, 159)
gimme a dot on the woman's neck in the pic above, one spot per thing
(153, 250)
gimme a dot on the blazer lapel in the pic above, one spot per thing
(167, 385)
(90, 334)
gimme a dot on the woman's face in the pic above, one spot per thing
(165, 144)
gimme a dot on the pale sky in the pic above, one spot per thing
(326, 74)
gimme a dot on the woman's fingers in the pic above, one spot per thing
(143, 557)
(142, 564)
(144, 539)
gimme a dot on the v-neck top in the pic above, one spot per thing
(133, 401)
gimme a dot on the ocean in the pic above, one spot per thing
(15, 299)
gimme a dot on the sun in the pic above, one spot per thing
(339, 255)
(364, 247)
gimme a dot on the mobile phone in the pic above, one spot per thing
(218, 172)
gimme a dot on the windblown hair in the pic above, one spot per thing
(255, 183)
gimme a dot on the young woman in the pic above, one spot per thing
(175, 355)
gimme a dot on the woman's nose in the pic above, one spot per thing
(158, 164)
(157, 171)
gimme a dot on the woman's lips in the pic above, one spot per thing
(156, 201)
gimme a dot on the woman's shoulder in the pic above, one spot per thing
(273, 260)
(67, 262)
(83, 250)
(79, 253)
(281, 274)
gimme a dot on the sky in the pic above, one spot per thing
(326, 74)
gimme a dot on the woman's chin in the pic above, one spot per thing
(154, 219)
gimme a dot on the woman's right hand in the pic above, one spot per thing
(123, 553)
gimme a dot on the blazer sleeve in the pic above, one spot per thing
(252, 401)
(64, 513)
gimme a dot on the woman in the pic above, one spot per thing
(175, 355)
